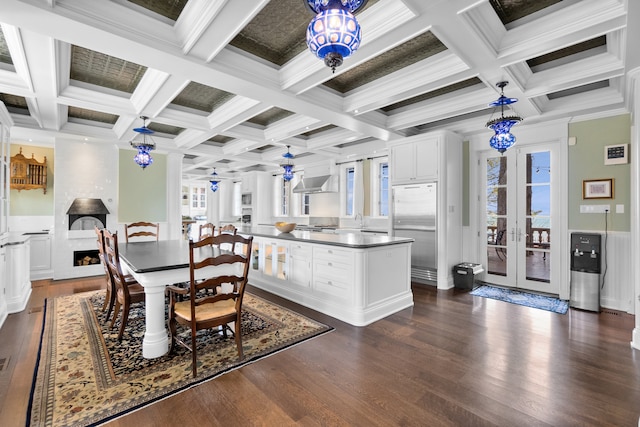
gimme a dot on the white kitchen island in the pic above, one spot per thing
(357, 278)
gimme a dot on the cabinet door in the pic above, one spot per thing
(403, 163)
(300, 264)
(426, 158)
(40, 253)
(276, 263)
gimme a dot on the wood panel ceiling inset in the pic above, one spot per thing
(94, 116)
(168, 8)
(567, 51)
(103, 70)
(15, 104)
(270, 116)
(5, 55)
(410, 52)
(434, 93)
(201, 97)
(512, 10)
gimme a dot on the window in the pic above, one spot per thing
(380, 187)
(304, 203)
(350, 174)
(198, 197)
(284, 197)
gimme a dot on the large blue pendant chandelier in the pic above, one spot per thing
(287, 166)
(334, 33)
(144, 144)
(214, 181)
(503, 138)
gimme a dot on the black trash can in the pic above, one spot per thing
(464, 274)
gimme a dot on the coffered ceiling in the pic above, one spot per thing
(229, 84)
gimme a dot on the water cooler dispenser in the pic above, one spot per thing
(585, 271)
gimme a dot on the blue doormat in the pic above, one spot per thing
(522, 298)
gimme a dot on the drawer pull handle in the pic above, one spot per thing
(329, 282)
(330, 264)
(329, 251)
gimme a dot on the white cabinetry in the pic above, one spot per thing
(300, 264)
(269, 258)
(18, 285)
(435, 157)
(355, 285)
(414, 161)
(41, 267)
(333, 272)
(5, 124)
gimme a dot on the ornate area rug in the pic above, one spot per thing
(84, 376)
(522, 298)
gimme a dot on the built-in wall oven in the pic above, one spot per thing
(246, 216)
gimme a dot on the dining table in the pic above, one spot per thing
(155, 265)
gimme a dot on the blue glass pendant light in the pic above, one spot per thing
(503, 138)
(334, 33)
(144, 144)
(214, 181)
(287, 166)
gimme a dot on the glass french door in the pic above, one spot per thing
(518, 201)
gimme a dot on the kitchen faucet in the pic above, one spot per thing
(356, 218)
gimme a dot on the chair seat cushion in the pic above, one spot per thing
(205, 311)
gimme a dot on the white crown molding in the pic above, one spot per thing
(194, 21)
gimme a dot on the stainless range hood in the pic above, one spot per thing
(316, 184)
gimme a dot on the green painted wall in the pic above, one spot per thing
(142, 193)
(586, 161)
(33, 202)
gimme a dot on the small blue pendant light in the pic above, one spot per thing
(503, 138)
(287, 166)
(214, 181)
(144, 144)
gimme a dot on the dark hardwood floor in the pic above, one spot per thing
(452, 359)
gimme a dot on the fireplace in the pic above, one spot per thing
(85, 214)
(90, 257)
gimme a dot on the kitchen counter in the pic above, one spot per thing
(349, 240)
(357, 278)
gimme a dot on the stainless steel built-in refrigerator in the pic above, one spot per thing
(414, 215)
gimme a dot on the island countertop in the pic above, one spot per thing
(350, 240)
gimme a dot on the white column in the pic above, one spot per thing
(174, 195)
(634, 82)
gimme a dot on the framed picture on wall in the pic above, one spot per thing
(597, 188)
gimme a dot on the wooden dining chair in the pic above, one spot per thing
(206, 230)
(110, 295)
(228, 229)
(141, 229)
(127, 293)
(211, 311)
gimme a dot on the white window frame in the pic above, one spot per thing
(343, 189)
(376, 186)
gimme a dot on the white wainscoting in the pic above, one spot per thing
(617, 293)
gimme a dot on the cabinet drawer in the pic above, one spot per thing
(298, 250)
(332, 287)
(332, 254)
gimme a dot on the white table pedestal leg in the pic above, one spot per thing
(156, 341)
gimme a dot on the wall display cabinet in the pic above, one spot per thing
(28, 173)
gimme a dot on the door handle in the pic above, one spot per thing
(513, 232)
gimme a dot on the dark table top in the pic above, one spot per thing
(145, 257)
